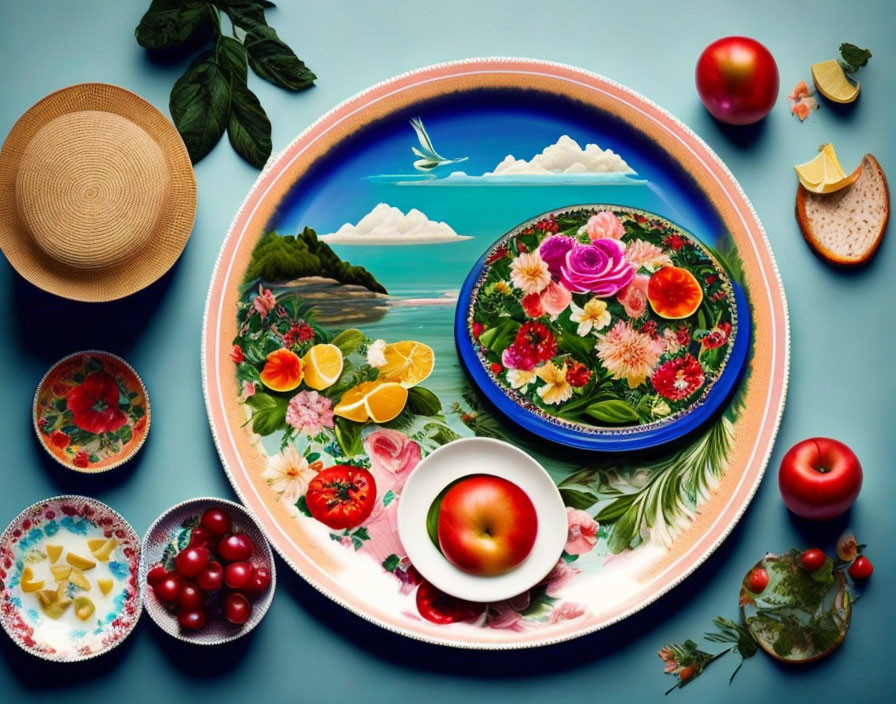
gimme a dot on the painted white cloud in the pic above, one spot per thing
(388, 225)
(564, 157)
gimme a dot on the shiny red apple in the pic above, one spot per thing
(487, 525)
(820, 478)
(737, 79)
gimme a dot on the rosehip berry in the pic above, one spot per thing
(812, 560)
(757, 580)
(861, 568)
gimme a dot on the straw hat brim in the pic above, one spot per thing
(172, 229)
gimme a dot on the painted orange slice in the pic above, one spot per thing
(674, 293)
(282, 371)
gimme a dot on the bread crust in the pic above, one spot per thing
(868, 161)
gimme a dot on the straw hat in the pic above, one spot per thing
(97, 193)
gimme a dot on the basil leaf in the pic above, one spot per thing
(200, 105)
(248, 127)
(853, 56)
(274, 61)
(348, 341)
(612, 411)
(245, 13)
(231, 59)
(423, 402)
(169, 23)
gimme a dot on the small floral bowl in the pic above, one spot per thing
(169, 534)
(68, 579)
(91, 411)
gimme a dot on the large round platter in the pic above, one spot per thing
(689, 361)
(345, 241)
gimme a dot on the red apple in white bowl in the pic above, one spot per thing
(487, 525)
(820, 478)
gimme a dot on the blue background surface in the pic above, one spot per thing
(308, 649)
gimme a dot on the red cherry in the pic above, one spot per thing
(237, 575)
(813, 560)
(261, 580)
(192, 619)
(757, 580)
(861, 568)
(235, 548)
(215, 521)
(156, 575)
(237, 608)
(212, 577)
(200, 537)
(191, 561)
(168, 589)
(191, 597)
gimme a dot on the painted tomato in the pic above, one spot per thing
(342, 496)
(437, 606)
(737, 79)
(820, 478)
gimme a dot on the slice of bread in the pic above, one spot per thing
(846, 227)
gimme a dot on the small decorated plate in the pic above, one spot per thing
(603, 327)
(68, 580)
(91, 411)
(168, 535)
(796, 615)
(482, 458)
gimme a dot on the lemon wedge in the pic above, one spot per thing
(823, 174)
(832, 83)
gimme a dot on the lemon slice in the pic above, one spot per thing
(832, 83)
(379, 401)
(323, 366)
(823, 174)
(408, 362)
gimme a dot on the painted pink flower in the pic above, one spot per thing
(264, 302)
(599, 268)
(553, 251)
(582, 535)
(559, 577)
(59, 439)
(508, 614)
(382, 527)
(567, 611)
(532, 305)
(678, 378)
(248, 389)
(634, 296)
(236, 354)
(642, 253)
(309, 412)
(604, 225)
(393, 455)
(555, 299)
(81, 459)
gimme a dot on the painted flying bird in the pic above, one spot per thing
(429, 157)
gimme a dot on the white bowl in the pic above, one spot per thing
(462, 458)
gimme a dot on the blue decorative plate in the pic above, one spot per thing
(603, 327)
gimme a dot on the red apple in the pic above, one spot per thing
(737, 79)
(487, 525)
(820, 478)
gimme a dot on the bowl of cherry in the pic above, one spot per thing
(207, 571)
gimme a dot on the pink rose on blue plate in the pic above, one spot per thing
(599, 268)
(553, 252)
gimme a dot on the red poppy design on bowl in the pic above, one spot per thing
(94, 404)
(678, 378)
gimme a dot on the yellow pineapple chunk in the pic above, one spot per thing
(104, 551)
(61, 572)
(105, 585)
(79, 580)
(53, 551)
(46, 597)
(84, 608)
(28, 583)
(95, 543)
(82, 563)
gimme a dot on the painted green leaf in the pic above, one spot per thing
(578, 499)
(390, 564)
(612, 411)
(349, 340)
(423, 402)
(270, 413)
(302, 505)
(125, 434)
(348, 434)
(274, 61)
(168, 23)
